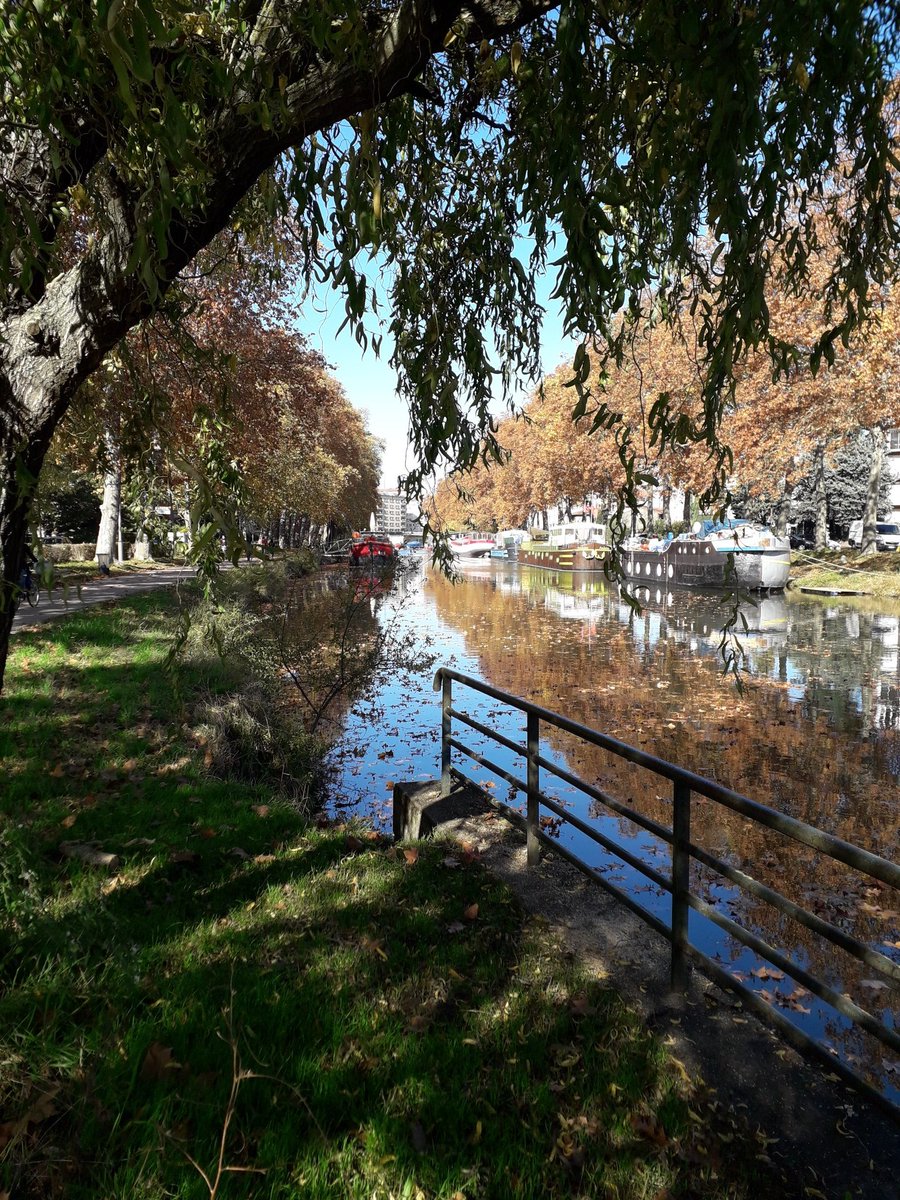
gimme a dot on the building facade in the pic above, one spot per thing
(390, 516)
(892, 466)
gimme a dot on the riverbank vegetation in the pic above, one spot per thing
(870, 575)
(206, 993)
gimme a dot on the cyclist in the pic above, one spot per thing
(27, 581)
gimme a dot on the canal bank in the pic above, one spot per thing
(822, 1137)
(171, 933)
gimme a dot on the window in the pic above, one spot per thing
(893, 439)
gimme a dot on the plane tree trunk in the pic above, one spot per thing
(870, 514)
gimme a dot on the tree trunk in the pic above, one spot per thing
(142, 552)
(112, 502)
(870, 515)
(821, 500)
(783, 508)
(20, 465)
(686, 507)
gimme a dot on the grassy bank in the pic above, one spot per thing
(205, 994)
(874, 575)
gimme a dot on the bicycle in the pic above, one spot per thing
(29, 588)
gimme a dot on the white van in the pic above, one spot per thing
(887, 535)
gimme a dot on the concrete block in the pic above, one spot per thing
(420, 809)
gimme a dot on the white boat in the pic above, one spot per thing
(762, 559)
(464, 548)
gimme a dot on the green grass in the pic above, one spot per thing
(874, 575)
(389, 1039)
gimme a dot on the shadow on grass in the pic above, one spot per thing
(411, 1043)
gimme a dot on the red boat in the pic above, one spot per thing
(372, 548)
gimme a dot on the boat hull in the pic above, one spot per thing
(473, 549)
(565, 558)
(701, 564)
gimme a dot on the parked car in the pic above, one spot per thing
(887, 535)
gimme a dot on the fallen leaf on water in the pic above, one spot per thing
(767, 973)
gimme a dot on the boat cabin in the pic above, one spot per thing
(576, 533)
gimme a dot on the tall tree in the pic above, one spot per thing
(432, 134)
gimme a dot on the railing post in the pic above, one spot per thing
(533, 730)
(681, 884)
(446, 702)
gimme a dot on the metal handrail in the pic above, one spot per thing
(683, 850)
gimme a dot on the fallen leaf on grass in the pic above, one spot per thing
(580, 1006)
(261, 810)
(470, 913)
(139, 841)
(354, 844)
(87, 852)
(42, 1108)
(455, 927)
(418, 1138)
(411, 856)
(186, 858)
(649, 1128)
(206, 832)
(57, 772)
(263, 858)
(158, 1062)
(450, 862)
(237, 852)
(374, 946)
(68, 822)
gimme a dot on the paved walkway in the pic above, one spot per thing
(64, 602)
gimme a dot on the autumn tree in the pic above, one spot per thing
(432, 135)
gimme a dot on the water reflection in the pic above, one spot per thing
(814, 734)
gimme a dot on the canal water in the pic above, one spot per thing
(814, 732)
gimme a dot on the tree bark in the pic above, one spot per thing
(870, 515)
(783, 507)
(111, 504)
(820, 498)
(686, 507)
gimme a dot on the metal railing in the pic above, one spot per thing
(683, 851)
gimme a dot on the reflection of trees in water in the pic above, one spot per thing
(328, 640)
(823, 758)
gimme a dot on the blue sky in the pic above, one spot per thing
(370, 382)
